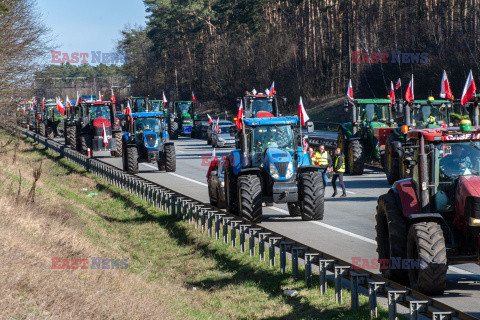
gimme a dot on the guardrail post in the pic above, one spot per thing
(211, 217)
(262, 236)
(233, 234)
(185, 209)
(339, 272)
(198, 210)
(296, 252)
(394, 296)
(225, 223)
(191, 209)
(218, 216)
(251, 240)
(443, 315)
(323, 265)
(416, 307)
(203, 219)
(243, 230)
(309, 258)
(272, 242)
(355, 280)
(283, 255)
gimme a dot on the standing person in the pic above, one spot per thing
(323, 159)
(338, 170)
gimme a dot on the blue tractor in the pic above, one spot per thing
(146, 140)
(270, 167)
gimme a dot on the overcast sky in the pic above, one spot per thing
(90, 25)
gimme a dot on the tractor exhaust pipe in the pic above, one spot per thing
(354, 119)
(423, 175)
(475, 113)
(407, 115)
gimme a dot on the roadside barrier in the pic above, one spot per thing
(222, 225)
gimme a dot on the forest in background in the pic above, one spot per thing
(220, 48)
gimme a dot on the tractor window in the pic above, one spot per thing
(458, 159)
(264, 137)
(147, 124)
(140, 105)
(262, 105)
(375, 112)
(157, 106)
(99, 112)
(184, 107)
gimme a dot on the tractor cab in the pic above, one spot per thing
(182, 117)
(257, 103)
(139, 104)
(156, 105)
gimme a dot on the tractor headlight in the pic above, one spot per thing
(146, 144)
(156, 144)
(273, 171)
(289, 170)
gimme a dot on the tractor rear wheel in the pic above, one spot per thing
(250, 198)
(73, 141)
(42, 129)
(132, 160)
(355, 158)
(294, 209)
(67, 135)
(427, 244)
(170, 158)
(311, 195)
(50, 133)
(118, 152)
(391, 237)
(231, 196)
(392, 159)
(173, 130)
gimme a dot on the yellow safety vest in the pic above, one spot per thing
(342, 168)
(321, 158)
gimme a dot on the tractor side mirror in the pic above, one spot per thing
(310, 126)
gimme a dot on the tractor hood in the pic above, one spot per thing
(470, 185)
(468, 189)
(279, 164)
(150, 139)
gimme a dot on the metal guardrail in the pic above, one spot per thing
(226, 226)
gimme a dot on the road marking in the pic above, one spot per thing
(458, 270)
(348, 233)
(179, 176)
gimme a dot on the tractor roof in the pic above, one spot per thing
(184, 101)
(448, 134)
(251, 122)
(148, 114)
(432, 101)
(92, 103)
(375, 101)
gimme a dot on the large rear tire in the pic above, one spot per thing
(173, 130)
(294, 209)
(355, 158)
(250, 198)
(118, 152)
(391, 237)
(392, 159)
(427, 243)
(132, 160)
(170, 158)
(42, 129)
(67, 135)
(50, 133)
(311, 195)
(73, 137)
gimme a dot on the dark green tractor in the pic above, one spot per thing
(139, 104)
(181, 118)
(52, 122)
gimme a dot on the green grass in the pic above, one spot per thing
(212, 279)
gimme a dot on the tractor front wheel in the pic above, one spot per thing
(42, 129)
(355, 158)
(132, 160)
(170, 158)
(250, 198)
(173, 130)
(426, 246)
(311, 195)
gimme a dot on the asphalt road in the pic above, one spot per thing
(347, 230)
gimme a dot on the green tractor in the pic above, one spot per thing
(156, 106)
(182, 116)
(52, 122)
(139, 104)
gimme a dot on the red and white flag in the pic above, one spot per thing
(350, 90)
(60, 106)
(305, 144)
(409, 94)
(210, 120)
(193, 97)
(164, 99)
(445, 91)
(128, 113)
(77, 102)
(68, 104)
(43, 102)
(302, 113)
(99, 96)
(399, 84)
(240, 116)
(213, 154)
(469, 89)
(392, 94)
(104, 135)
(113, 98)
(216, 125)
(272, 89)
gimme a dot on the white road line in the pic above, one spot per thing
(458, 270)
(179, 176)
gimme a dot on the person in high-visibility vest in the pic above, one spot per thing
(338, 171)
(322, 158)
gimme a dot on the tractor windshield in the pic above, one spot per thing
(147, 124)
(140, 105)
(157, 106)
(428, 116)
(458, 159)
(375, 112)
(264, 137)
(99, 112)
(184, 107)
(258, 105)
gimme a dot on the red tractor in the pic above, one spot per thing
(432, 220)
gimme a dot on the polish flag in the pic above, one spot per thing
(272, 89)
(469, 89)
(445, 91)
(164, 99)
(43, 102)
(104, 135)
(99, 96)
(210, 120)
(68, 104)
(350, 90)
(193, 97)
(128, 113)
(77, 102)
(216, 125)
(302, 113)
(392, 94)
(240, 116)
(113, 98)
(399, 84)
(60, 106)
(409, 94)
(305, 144)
